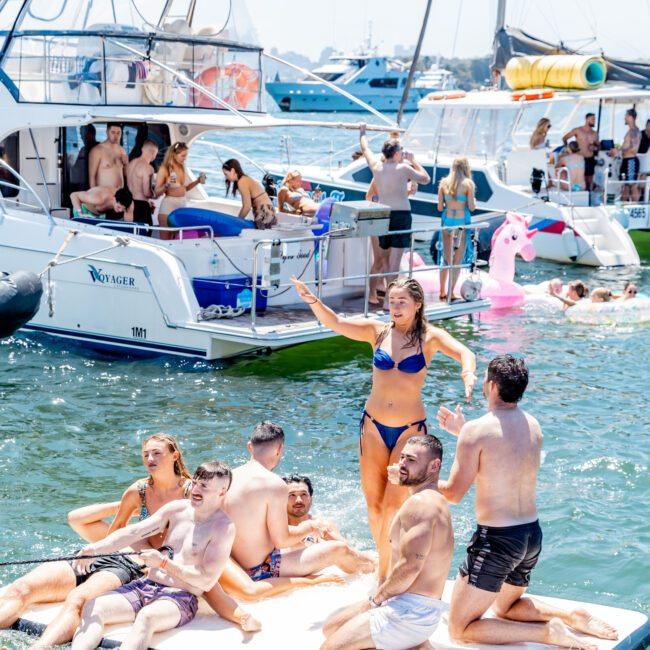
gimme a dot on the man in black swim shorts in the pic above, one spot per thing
(508, 540)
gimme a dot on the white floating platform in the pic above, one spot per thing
(294, 622)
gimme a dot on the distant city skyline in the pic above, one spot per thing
(461, 28)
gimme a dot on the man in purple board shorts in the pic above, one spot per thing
(200, 534)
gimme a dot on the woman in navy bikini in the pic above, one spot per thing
(403, 349)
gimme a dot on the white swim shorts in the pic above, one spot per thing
(405, 621)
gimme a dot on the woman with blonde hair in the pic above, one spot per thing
(456, 201)
(538, 139)
(293, 195)
(171, 180)
(403, 350)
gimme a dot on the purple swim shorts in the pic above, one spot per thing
(143, 592)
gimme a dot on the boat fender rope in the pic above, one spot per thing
(214, 312)
(55, 260)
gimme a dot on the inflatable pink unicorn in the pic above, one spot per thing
(498, 284)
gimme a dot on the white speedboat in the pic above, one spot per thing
(493, 128)
(171, 77)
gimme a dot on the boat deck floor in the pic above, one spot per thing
(294, 622)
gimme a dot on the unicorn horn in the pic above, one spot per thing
(531, 233)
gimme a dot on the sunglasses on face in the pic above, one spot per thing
(631, 292)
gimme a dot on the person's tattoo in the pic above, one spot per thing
(150, 532)
(419, 556)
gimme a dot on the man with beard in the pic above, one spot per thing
(406, 608)
(501, 451)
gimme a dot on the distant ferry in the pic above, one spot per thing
(376, 80)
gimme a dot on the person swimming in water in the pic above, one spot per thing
(394, 411)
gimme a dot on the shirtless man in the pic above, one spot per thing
(138, 179)
(587, 139)
(257, 504)
(103, 203)
(107, 160)
(406, 608)
(200, 534)
(299, 503)
(501, 452)
(630, 163)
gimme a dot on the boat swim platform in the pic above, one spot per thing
(294, 622)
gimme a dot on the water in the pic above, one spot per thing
(71, 424)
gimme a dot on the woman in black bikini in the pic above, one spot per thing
(394, 412)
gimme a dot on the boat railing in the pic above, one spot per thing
(217, 146)
(322, 240)
(614, 189)
(16, 189)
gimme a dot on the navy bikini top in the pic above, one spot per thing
(383, 361)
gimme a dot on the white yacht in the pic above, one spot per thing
(70, 69)
(493, 129)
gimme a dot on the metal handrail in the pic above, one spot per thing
(239, 154)
(24, 186)
(341, 235)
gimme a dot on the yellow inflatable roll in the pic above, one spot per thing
(557, 71)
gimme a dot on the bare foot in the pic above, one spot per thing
(327, 578)
(581, 620)
(558, 634)
(249, 623)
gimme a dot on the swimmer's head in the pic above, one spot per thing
(161, 450)
(420, 460)
(555, 286)
(266, 443)
(601, 294)
(210, 483)
(300, 494)
(506, 378)
(406, 305)
(577, 290)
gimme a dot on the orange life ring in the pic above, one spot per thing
(246, 85)
(527, 95)
(446, 94)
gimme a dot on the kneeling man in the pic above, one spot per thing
(406, 609)
(200, 534)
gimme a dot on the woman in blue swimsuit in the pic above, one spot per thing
(456, 202)
(394, 411)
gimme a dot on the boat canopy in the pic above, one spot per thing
(131, 52)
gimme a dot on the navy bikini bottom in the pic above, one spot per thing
(390, 434)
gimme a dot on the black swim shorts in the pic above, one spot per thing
(590, 166)
(123, 567)
(629, 169)
(505, 554)
(142, 212)
(399, 220)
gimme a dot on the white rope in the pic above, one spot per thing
(220, 311)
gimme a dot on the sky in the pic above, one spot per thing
(462, 28)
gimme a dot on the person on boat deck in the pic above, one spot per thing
(630, 162)
(573, 161)
(168, 480)
(257, 504)
(601, 294)
(501, 453)
(138, 179)
(403, 351)
(171, 181)
(392, 173)
(293, 198)
(199, 533)
(103, 203)
(107, 160)
(587, 138)
(539, 138)
(253, 195)
(406, 608)
(8, 177)
(299, 504)
(456, 202)
(576, 291)
(630, 291)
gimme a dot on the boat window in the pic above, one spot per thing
(389, 82)
(559, 112)
(328, 76)
(95, 70)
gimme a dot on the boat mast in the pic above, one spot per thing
(414, 63)
(500, 24)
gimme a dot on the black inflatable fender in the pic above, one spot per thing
(20, 298)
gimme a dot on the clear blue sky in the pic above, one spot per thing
(622, 27)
